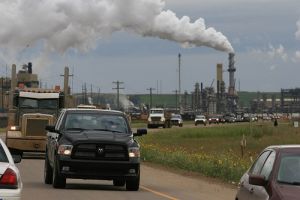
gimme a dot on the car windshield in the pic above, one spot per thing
(200, 117)
(156, 111)
(96, 121)
(3, 157)
(289, 170)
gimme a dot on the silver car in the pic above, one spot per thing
(10, 179)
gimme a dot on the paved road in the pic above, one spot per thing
(156, 183)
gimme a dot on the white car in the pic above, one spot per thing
(10, 179)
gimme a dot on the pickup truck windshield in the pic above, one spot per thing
(96, 121)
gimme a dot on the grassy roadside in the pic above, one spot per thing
(214, 151)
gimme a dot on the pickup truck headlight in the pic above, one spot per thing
(65, 150)
(162, 119)
(149, 119)
(134, 152)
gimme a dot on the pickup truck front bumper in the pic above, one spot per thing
(97, 169)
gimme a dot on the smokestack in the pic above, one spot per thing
(30, 68)
(201, 87)
(219, 76)
(231, 70)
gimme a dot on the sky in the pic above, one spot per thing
(137, 42)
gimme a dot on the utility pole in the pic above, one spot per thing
(84, 93)
(91, 93)
(150, 89)
(118, 88)
(179, 79)
(176, 99)
(98, 98)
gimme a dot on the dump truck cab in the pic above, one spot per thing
(33, 109)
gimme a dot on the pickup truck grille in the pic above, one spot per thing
(155, 119)
(100, 151)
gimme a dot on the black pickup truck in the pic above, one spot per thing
(92, 144)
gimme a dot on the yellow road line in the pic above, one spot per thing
(159, 193)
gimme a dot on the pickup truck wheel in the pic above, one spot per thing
(133, 184)
(119, 183)
(59, 181)
(48, 172)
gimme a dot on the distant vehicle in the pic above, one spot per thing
(229, 118)
(159, 117)
(176, 120)
(10, 179)
(239, 118)
(200, 119)
(92, 144)
(250, 118)
(221, 119)
(275, 175)
(213, 119)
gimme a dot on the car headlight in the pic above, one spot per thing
(64, 150)
(162, 119)
(134, 152)
(149, 119)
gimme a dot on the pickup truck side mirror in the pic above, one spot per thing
(140, 132)
(50, 128)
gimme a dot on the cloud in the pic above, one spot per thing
(296, 57)
(272, 53)
(277, 52)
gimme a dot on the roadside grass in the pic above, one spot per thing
(215, 151)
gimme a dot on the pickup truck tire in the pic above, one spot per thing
(48, 172)
(119, 183)
(133, 184)
(59, 181)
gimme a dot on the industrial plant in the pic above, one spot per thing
(217, 98)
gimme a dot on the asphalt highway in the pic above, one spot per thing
(156, 183)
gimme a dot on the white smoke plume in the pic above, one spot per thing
(60, 25)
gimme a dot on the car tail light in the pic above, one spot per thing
(9, 179)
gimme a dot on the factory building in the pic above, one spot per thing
(210, 101)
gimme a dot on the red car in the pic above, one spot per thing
(275, 175)
(213, 120)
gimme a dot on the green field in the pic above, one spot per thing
(215, 151)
